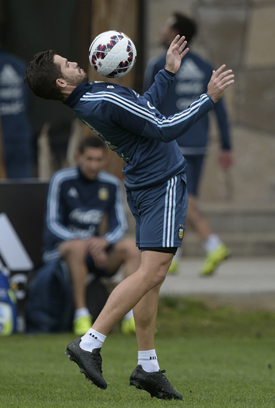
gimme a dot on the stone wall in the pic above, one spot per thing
(239, 34)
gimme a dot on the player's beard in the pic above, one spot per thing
(77, 80)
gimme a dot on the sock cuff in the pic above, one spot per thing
(147, 354)
(211, 243)
(81, 312)
(148, 360)
(98, 336)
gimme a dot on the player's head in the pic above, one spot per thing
(91, 156)
(51, 76)
(178, 23)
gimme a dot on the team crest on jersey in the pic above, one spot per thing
(181, 231)
(103, 193)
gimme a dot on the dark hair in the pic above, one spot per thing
(184, 26)
(91, 141)
(42, 74)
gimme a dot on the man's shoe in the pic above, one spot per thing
(155, 383)
(128, 326)
(213, 259)
(174, 267)
(90, 363)
(82, 324)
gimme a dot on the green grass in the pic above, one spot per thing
(215, 358)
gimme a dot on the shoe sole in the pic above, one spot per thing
(157, 394)
(82, 371)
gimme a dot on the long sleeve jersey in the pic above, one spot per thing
(14, 100)
(76, 207)
(190, 81)
(131, 125)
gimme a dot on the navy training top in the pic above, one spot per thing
(131, 125)
(76, 207)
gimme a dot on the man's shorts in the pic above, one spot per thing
(195, 164)
(97, 271)
(160, 213)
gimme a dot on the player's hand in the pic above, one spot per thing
(100, 259)
(225, 159)
(97, 250)
(219, 81)
(175, 54)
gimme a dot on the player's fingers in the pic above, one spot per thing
(184, 52)
(226, 78)
(181, 41)
(226, 84)
(178, 43)
(225, 73)
(175, 40)
(219, 70)
(182, 46)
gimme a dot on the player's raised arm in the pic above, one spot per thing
(219, 81)
(175, 53)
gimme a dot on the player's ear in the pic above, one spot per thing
(61, 83)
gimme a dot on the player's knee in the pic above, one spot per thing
(74, 248)
(158, 275)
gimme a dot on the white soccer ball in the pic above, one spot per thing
(112, 54)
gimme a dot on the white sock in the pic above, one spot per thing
(92, 339)
(81, 312)
(129, 315)
(148, 360)
(211, 243)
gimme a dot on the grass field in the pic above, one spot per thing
(215, 358)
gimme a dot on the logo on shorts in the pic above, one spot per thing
(181, 231)
(103, 193)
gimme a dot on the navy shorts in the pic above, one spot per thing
(97, 271)
(160, 213)
(195, 163)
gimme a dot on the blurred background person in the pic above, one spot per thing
(85, 226)
(14, 105)
(190, 81)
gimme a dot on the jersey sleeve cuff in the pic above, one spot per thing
(210, 99)
(171, 74)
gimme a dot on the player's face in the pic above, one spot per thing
(91, 161)
(167, 33)
(71, 72)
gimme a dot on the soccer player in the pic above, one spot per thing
(79, 200)
(155, 181)
(190, 81)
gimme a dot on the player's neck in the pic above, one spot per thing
(67, 91)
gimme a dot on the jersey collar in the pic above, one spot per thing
(80, 90)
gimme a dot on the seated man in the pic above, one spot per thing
(78, 201)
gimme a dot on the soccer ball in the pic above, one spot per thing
(112, 54)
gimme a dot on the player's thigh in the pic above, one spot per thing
(76, 248)
(162, 213)
(156, 261)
